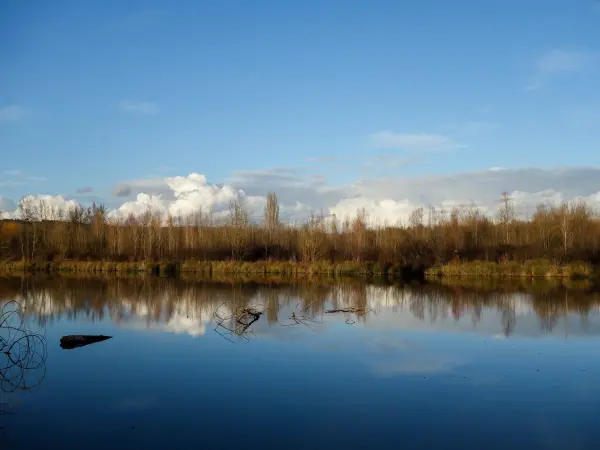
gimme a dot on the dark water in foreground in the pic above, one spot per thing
(414, 367)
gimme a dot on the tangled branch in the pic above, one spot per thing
(240, 318)
(22, 352)
(298, 318)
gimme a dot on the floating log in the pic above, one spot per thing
(80, 340)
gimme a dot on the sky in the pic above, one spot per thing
(334, 105)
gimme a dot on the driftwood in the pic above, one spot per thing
(240, 321)
(344, 310)
(80, 340)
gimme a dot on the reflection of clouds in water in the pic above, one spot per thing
(176, 324)
(399, 356)
(177, 306)
(191, 326)
(187, 315)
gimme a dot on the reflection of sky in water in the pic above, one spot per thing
(190, 309)
(425, 369)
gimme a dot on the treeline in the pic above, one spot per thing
(562, 233)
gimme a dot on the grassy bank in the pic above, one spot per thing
(210, 268)
(513, 269)
(477, 269)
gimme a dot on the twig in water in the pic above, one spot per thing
(298, 319)
(22, 352)
(244, 317)
(344, 310)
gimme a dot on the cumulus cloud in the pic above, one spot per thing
(12, 113)
(411, 141)
(52, 205)
(137, 107)
(390, 200)
(184, 195)
(556, 62)
(393, 199)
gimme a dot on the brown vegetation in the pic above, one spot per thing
(570, 232)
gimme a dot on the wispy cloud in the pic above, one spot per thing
(122, 190)
(412, 141)
(12, 113)
(556, 62)
(84, 190)
(137, 107)
(323, 159)
(18, 178)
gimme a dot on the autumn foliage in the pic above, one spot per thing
(562, 233)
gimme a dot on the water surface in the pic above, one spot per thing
(264, 365)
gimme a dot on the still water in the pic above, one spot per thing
(267, 365)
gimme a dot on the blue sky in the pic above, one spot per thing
(98, 92)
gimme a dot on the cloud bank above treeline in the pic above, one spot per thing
(384, 200)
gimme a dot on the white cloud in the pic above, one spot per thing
(12, 113)
(181, 196)
(53, 204)
(137, 107)
(388, 200)
(556, 62)
(412, 141)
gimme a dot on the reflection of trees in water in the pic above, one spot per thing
(22, 353)
(159, 301)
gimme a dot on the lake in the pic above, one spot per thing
(267, 364)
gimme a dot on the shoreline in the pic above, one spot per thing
(204, 268)
(533, 269)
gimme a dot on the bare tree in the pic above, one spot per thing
(238, 221)
(271, 219)
(271, 213)
(506, 215)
